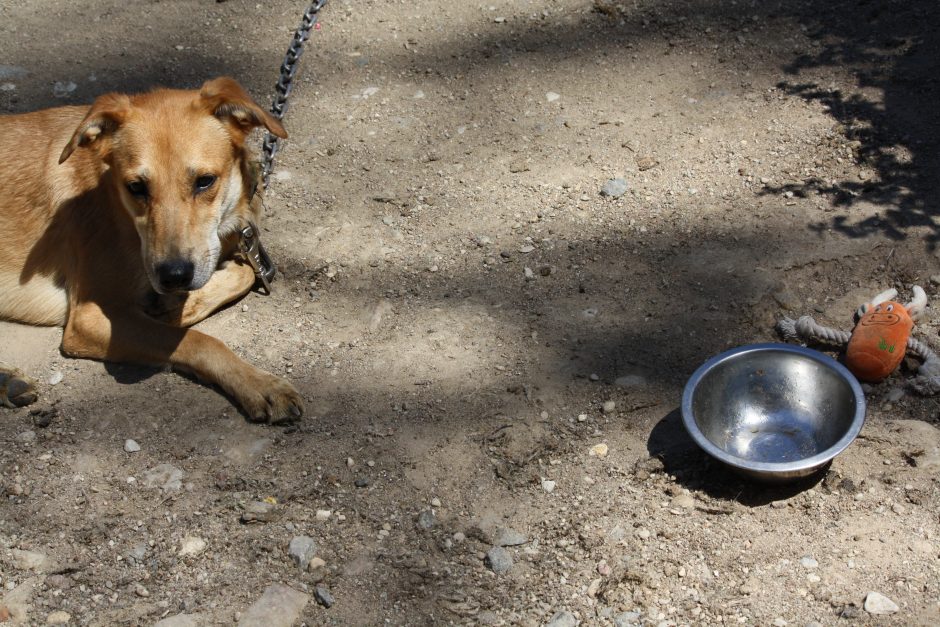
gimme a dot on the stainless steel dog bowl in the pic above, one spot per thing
(773, 411)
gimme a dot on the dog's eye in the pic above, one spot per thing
(138, 189)
(204, 182)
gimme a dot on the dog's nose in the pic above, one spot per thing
(175, 275)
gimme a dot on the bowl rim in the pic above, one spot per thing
(858, 420)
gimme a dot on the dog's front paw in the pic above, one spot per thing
(270, 399)
(16, 389)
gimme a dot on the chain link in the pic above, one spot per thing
(285, 84)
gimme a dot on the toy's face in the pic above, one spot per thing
(878, 341)
(885, 314)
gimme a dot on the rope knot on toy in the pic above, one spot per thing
(878, 343)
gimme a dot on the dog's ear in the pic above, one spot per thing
(226, 100)
(107, 113)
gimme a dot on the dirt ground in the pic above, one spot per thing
(458, 302)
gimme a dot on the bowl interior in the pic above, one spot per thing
(773, 406)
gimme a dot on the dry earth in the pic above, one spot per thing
(458, 302)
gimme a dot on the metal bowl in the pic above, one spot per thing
(773, 411)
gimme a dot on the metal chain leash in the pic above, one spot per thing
(285, 84)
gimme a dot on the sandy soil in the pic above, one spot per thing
(458, 302)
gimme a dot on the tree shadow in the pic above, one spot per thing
(887, 122)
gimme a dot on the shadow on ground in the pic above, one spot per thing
(889, 115)
(694, 469)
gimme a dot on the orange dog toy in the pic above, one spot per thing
(879, 341)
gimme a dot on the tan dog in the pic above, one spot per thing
(121, 223)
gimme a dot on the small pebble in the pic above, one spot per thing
(56, 377)
(131, 446)
(191, 545)
(548, 485)
(877, 603)
(362, 482)
(808, 561)
(435, 502)
(609, 406)
(509, 537)
(57, 618)
(626, 619)
(552, 96)
(426, 519)
(615, 188)
(260, 512)
(562, 619)
(301, 550)
(322, 594)
(323, 514)
(498, 559)
(599, 450)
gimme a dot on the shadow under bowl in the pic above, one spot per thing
(774, 412)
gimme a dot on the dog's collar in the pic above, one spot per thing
(250, 238)
(251, 247)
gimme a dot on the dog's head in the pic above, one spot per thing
(178, 164)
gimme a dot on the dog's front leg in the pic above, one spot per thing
(231, 281)
(124, 335)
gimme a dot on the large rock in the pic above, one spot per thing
(279, 606)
